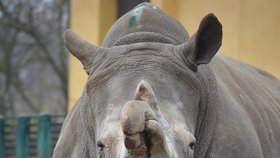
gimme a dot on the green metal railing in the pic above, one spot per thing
(29, 136)
(2, 123)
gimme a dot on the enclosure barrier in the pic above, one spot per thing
(29, 136)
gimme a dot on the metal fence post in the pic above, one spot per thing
(22, 136)
(44, 136)
(2, 130)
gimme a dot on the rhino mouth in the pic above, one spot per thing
(149, 143)
(138, 145)
(144, 134)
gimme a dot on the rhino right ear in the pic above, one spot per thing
(81, 49)
(204, 44)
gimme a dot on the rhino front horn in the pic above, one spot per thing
(81, 49)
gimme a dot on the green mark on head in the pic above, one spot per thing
(133, 18)
(136, 11)
(142, 4)
(146, 5)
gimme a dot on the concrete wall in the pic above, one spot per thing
(251, 29)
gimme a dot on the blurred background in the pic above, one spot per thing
(33, 59)
(40, 81)
(33, 76)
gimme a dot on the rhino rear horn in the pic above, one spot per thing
(144, 92)
(81, 49)
(204, 44)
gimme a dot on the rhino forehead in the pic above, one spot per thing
(149, 19)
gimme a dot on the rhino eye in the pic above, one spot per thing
(192, 145)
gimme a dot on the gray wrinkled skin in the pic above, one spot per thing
(153, 92)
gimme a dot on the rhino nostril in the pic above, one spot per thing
(100, 146)
(192, 145)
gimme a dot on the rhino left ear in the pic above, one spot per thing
(144, 92)
(204, 44)
(81, 49)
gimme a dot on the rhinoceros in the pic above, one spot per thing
(155, 92)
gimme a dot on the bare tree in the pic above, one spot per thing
(33, 60)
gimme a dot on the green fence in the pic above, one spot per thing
(29, 136)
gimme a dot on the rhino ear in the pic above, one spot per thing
(144, 92)
(81, 49)
(204, 44)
